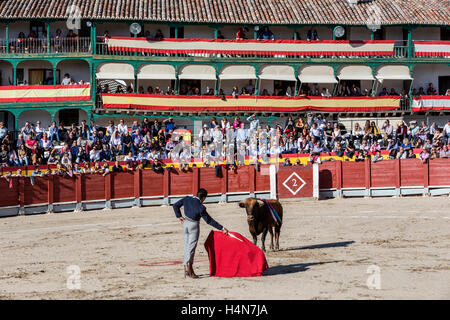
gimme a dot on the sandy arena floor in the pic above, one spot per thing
(327, 247)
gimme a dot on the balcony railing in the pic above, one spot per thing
(57, 45)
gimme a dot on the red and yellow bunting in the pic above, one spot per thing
(247, 103)
(15, 94)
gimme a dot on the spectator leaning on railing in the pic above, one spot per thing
(149, 141)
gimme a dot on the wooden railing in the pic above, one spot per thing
(57, 45)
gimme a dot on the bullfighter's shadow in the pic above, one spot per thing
(321, 246)
(292, 268)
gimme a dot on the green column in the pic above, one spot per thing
(135, 80)
(7, 37)
(94, 37)
(216, 32)
(372, 36)
(176, 32)
(92, 81)
(48, 37)
(54, 75)
(295, 34)
(255, 34)
(14, 75)
(135, 53)
(410, 43)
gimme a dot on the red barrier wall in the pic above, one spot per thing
(295, 182)
(146, 183)
(151, 183)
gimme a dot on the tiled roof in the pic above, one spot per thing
(433, 12)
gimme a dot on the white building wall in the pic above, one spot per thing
(114, 29)
(198, 32)
(33, 116)
(359, 33)
(17, 27)
(394, 33)
(427, 33)
(77, 69)
(424, 74)
(282, 33)
(6, 73)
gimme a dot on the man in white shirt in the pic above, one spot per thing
(254, 123)
(447, 132)
(122, 127)
(241, 133)
(388, 129)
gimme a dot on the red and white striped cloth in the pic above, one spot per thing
(424, 103)
(261, 47)
(432, 48)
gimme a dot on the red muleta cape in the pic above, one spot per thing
(230, 257)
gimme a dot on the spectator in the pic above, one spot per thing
(383, 93)
(431, 91)
(66, 81)
(240, 35)
(377, 157)
(266, 34)
(312, 35)
(159, 35)
(445, 152)
(424, 155)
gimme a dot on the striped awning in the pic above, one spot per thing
(115, 71)
(237, 72)
(316, 74)
(277, 72)
(156, 71)
(355, 72)
(393, 72)
(197, 72)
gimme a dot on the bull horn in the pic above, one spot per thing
(242, 204)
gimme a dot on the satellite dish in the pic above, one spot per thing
(339, 31)
(135, 28)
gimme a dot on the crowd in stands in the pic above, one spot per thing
(148, 142)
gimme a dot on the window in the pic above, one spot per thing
(38, 27)
(445, 34)
(69, 116)
(379, 34)
(444, 84)
(180, 32)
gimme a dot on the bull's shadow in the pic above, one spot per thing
(321, 246)
(293, 268)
